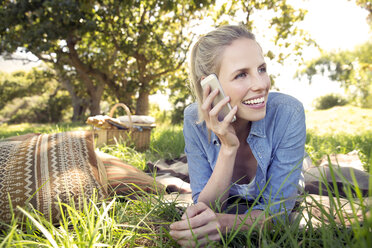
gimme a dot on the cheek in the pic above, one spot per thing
(236, 93)
(267, 81)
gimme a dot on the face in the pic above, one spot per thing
(244, 78)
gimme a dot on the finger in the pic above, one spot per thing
(208, 99)
(208, 239)
(206, 91)
(202, 219)
(194, 210)
(192, 240)
(199, 236)
(230, 116)
(190, 218)
(218, 107)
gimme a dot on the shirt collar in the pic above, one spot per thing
(257, 129)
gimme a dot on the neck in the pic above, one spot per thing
(242, 128)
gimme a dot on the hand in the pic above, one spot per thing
(223, 129)
(199, 225)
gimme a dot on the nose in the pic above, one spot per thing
(259, 82)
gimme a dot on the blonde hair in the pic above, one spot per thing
(206, 55)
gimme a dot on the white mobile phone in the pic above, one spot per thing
(214, 83)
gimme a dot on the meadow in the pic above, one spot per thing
(143, 221)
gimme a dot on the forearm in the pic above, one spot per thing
(232, 221)
(220, 180)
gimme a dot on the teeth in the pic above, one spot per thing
(255, 101)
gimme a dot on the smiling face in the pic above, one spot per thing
(244, 78)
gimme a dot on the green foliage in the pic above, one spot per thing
(353, 69)
(123, 51)
(282, 19)
(161, 116)
(318, 146)
(180, 95)
(367, 5)
(32, 96)
(21, 84)
(122, 48)
(329, 101)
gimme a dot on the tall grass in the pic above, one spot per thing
(110, 223)
(318, 146)
(144, 221)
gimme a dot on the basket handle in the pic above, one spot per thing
(111, 114)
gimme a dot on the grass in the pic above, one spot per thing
(346, 120)
(24, 128)
(340, 130)
(144, 221)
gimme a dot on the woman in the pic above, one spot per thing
(256, 157)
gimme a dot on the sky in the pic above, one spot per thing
(333, 24)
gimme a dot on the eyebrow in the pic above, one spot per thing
(244, 69)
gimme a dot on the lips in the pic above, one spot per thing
(254, 101)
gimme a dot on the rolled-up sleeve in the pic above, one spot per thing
(198, 165)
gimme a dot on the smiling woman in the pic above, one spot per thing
(245, 80)
(256, 159)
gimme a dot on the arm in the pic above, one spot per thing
(216, 186)
(200, 225)
(207, 185)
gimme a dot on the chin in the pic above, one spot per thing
(252, 115)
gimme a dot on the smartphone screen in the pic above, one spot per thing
(214, 83)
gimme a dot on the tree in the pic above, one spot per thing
(20, 84)
(282, 19)
(353, 69)
(33, 96)
(124, 47)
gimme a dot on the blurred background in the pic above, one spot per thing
(63, 61)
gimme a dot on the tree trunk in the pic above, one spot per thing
(78, 104)
(79, 107)
(94, 105)
(142, 105)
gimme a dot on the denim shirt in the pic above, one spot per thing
(277, 143)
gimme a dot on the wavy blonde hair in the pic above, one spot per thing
(206, 55)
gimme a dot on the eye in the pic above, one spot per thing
(262, 69)
(241, 75)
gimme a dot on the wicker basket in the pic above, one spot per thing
(136, 134)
